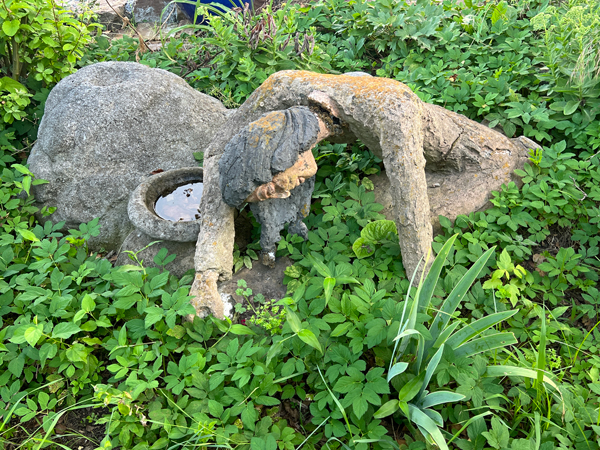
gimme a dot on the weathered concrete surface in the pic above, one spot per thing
(152, 11)
(383, 113)
(140, 208)
(178, 238)
(105, 129)
(394, 124)
(264, 150)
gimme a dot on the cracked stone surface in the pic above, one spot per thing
(406, 133)
(105, 129)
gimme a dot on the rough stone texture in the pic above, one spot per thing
(387, 117)
(177, 237)
(393, 123)
(269, 146)
(152, 11)
(265, 147)
(106, 15)
(105, 129)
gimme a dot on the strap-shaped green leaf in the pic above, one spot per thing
(485, 343)
(433, 363)
(424, 422)
(473, 329)
(434, 273)
(513, 371)
(442, 338)
(440, 397)
(456, 296)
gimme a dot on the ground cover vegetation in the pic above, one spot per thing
(497, 348)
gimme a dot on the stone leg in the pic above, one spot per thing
(269, 236)
(299, 227)
(206, 296)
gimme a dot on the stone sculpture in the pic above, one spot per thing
(270, 165)
(406, 133)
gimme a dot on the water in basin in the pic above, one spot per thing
(180, 204)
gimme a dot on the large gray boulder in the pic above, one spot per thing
(108, 127)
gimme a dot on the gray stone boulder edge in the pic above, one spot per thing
(105, 129)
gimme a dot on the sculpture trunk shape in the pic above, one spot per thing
(389, 119)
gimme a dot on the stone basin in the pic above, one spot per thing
(178, 238)
(141, 206)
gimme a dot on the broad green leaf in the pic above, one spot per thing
(387, 409)
(341, 329)
(123, 335)
(328, 285)
(34, 333)
(397, 369)
(28, 235)
(293, 320)
(378, 230)
(273, 352)
(88, 304)
(27, 184)
(65, 330)
(241, 330)
(472, 329)
(309, 338)
(499, 12)
(490, 342)
(16, 365)
(10, 27)
(153, 315)
(321, 268)
(13, 86)
(439, 398)
(571, 107)
(21, 168)
(48, 351)
(363, 248)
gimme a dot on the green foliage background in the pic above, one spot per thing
(77, 332)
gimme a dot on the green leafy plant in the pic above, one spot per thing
(414, 399)
(373, 234)
(40, 43)
(517, 279)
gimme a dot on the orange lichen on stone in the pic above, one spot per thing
(365, 87)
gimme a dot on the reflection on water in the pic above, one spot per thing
(180, 205)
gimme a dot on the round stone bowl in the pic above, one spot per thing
(141, 206)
